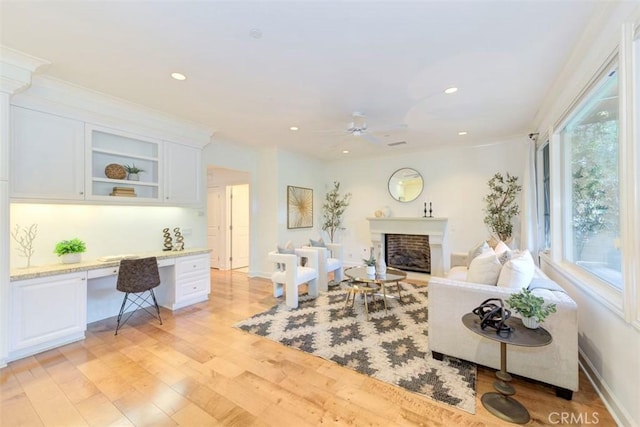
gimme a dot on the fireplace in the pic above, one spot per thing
(432, 228)
(408, 252)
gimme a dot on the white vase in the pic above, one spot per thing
(530, 322)
(371, 270)
(71, 258)
(381, 266)
(133, 177)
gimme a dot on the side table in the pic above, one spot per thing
(501, 404)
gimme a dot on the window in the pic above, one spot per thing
(591, 199)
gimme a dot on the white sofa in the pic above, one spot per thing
(452, 297)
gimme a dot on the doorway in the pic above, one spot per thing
(228, 218)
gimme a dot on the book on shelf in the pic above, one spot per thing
(123, 191)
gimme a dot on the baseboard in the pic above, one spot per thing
(619, 414)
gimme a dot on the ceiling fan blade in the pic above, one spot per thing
(372, 139)
(399, 126)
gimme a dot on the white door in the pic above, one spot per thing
(239, 226)
(215, 233)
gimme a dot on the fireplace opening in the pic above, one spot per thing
(408, 252)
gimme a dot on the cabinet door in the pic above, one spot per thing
(183, 179)
(47, 156)
(47, 309)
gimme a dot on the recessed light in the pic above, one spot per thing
(450, 90)
(345, 151)
(179, 76)
(461, 133)
(293, 128)
(256, 33)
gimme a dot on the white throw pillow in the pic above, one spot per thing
(501, 248)
(518, 271)
(478, 249)
(485, 269)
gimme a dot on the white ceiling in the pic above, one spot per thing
(315, 63)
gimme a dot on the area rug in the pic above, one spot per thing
(392, 347)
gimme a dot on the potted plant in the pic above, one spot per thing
(132, 172)
(370, 263)
(70, 250)
(501, 206)
(530, 307)
(333, 209)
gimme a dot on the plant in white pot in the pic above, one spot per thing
(70, 250)
(370, 263)
(133, 172)
(530, 307)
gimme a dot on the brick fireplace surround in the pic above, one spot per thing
(435, 228)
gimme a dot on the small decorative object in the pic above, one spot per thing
(168, 241)
(333, 209)
(70, 250)
(115, 171)
(530, 306)
(501, 206)
(425, 210)
(179, 246)
(133, 172)
(381, 266)
(370, 263)
(299, 207)
(24, 238)
(492, 314)
(430, 211)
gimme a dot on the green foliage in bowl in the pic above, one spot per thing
(72, 246)
(530, 305)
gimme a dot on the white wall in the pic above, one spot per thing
(455, 183)
(106, 229)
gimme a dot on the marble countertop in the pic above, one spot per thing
(53, 269)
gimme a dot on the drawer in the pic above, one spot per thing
(192, 264)
(103, 272)
(192, 287)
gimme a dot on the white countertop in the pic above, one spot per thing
(53, 269)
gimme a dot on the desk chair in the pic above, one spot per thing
(137, 278)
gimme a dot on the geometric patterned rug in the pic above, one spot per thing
(391, 347)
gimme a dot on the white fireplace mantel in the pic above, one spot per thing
(435, 228)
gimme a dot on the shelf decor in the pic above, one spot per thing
(299, 207)
(115, 171)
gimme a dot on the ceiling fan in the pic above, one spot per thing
(358, 127)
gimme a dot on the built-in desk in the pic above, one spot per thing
(51, 305)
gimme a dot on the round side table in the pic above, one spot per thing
(501, 404)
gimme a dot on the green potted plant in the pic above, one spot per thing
(501, 206)
(370, 263)
(333, 209)
(133, 172)
(70, 250)
(530, 307)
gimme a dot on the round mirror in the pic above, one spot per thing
(405, 185)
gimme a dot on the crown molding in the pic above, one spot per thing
(67, 99)
(16, 69)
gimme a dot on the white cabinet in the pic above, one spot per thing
(47, 156)
(113, 147)
(183, 174)
(47, 312)
(191, 282)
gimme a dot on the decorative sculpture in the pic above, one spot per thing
(493, 315)
(168, 241)
(25, 241)
(179, 246)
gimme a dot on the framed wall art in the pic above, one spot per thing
(299, 207)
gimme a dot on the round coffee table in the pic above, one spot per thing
(362, 283)
(501, 404)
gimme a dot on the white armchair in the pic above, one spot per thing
(291, 274)
(330, 259)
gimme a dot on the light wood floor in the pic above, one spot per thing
(197, 370)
